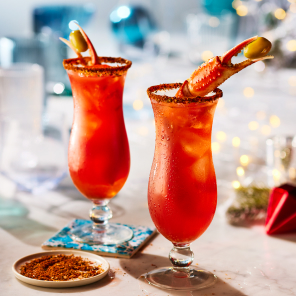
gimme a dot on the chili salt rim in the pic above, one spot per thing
(77, 66)
(186, 100)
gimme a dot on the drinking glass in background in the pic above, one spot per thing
(32, 145)
(22, 93)
(281, 159)
(35, 159)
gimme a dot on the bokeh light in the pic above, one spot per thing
(253, 125)
(236, 4)
(58, 88)
(259, 66)
(244, 160)
(73, 25)
(206, 55)
(215, 147)
(235, 184)
(120, 13)
(123, 12)
(240, 171)
(274, 121)
(242, 10)
(221, 136)
(291, 45)
(249, 92)
(114, 17)
(280, 14)
(276, 174)
(236, 142)
(214, 22)
(138, 105)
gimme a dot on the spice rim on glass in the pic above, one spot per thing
(98, 155)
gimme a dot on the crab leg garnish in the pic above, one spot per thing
(215, 71)
(67, 42)
(92, 51)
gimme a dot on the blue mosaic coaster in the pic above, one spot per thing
(127, 249)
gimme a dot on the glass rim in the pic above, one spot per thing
(151, 91)
(80, 68)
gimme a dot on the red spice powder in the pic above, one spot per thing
(60, 268)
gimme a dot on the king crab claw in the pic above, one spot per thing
(215, 71)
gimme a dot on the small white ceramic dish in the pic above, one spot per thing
(60, 284)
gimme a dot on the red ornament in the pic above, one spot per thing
(281, 211)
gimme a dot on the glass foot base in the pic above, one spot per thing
(114, 234)
(190, 279)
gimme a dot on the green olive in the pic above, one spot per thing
(257, 49)
(78, 41)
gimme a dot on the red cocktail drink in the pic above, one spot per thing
(182, 190)
(99, 157)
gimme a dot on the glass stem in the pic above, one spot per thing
(100, 215)
(181, 257)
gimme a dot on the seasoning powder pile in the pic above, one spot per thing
(60, 268)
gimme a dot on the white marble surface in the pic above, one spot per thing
(246, 260)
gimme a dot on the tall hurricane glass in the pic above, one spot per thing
(182, 191)
(99, 156)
